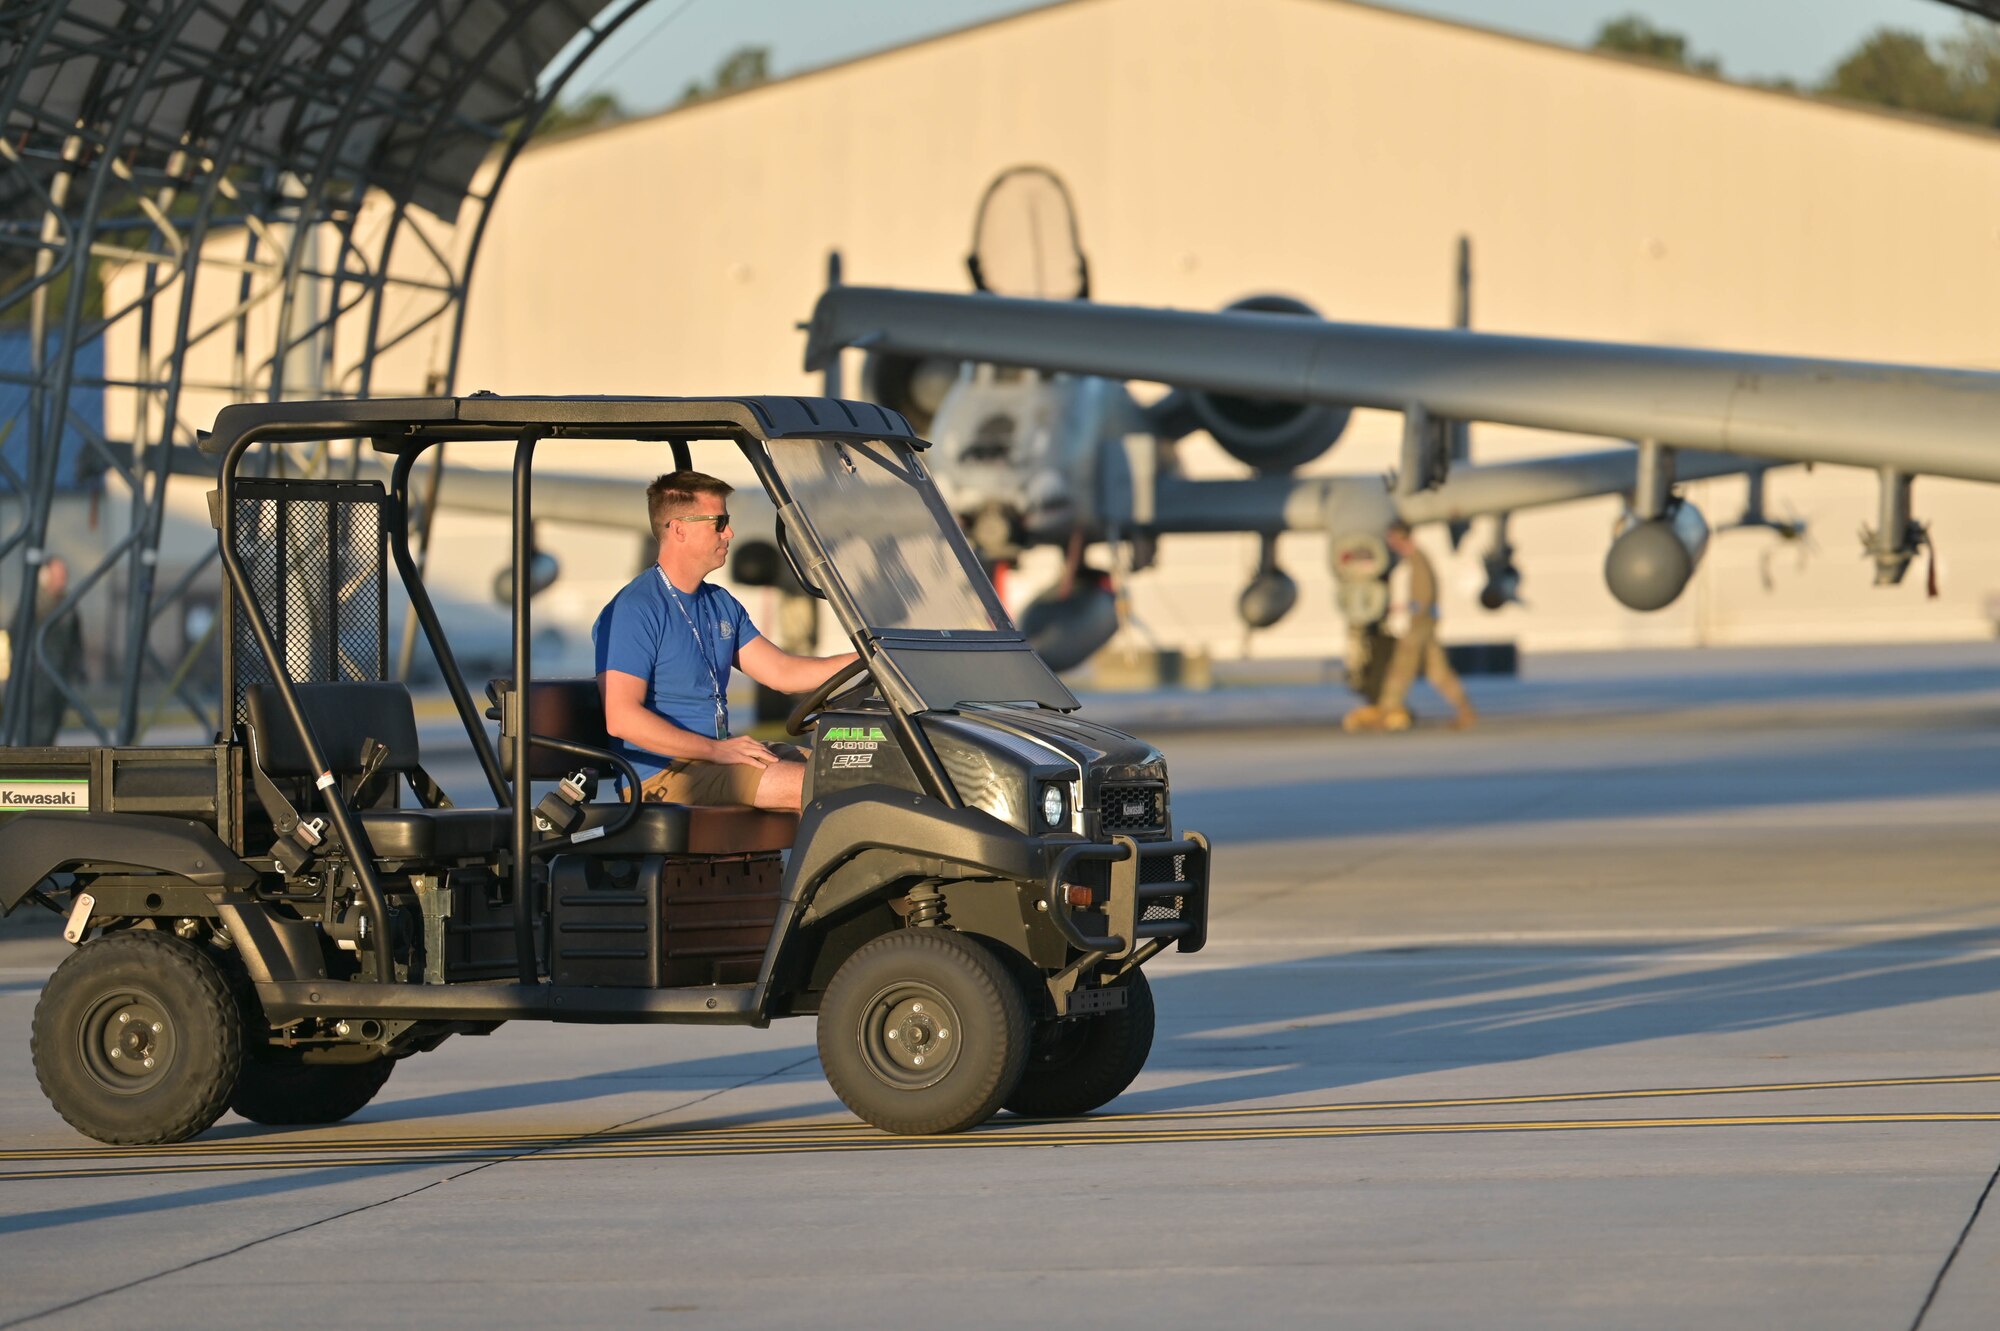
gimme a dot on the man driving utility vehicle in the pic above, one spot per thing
(665, 646)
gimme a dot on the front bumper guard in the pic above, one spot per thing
(1166, 880)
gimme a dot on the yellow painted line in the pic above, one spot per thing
(1559, 1097)
(532, 1140)
(759, 1144)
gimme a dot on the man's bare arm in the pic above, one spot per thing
(776, 668)
(627, 717)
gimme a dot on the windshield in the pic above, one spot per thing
(886, 534)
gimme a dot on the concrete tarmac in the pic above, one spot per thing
(1667, 998)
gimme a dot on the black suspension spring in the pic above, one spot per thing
(927, 909)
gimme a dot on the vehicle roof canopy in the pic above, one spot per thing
(394, 424)
(884, 550)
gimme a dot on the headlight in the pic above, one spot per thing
(1052, 804)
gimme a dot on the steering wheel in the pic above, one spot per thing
(801, 719)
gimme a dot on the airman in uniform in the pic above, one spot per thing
(1417, 651)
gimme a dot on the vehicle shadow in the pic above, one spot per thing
(680, 1081)
(1311, 1027)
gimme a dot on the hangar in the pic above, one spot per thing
(1327, 149)
(1330, 150)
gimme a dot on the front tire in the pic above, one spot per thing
(923, 1031)
(138, 1040)
(1082, 1064)
(280, 1092)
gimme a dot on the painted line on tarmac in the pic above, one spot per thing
(1362, 945)
(868, 1140)
(1663, 959)
(539, 1139)
(444, 1147)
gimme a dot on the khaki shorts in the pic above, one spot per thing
(692, 781)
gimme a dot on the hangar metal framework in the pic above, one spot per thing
(349, 150)
(293, 190)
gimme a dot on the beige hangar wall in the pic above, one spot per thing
(1328, 150)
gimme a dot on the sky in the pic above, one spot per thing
(667, 44)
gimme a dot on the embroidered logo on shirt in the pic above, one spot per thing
(726, 629)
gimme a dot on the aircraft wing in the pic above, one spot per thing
(1339, 503)
(1914, 419)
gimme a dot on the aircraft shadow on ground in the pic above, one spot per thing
(1575, 699)
(1672, 691)
(239, 1189)
(1357, 801)
(1294, 1037)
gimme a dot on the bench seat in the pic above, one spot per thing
(436, 834)
(344, 716)
(691, 829)
(658, 829)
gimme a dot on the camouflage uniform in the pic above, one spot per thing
(1419, 651)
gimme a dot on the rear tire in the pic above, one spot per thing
(1081, 1064)
(282, 1093)
(923, 1031)
(138, 1040)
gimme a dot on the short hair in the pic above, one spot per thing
(674, 495)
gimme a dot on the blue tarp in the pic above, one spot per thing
(77, 467)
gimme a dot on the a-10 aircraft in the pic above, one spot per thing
(1038, 441)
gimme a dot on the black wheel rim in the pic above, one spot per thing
(1059, 1043)
(909, 1035)
(126, 1042)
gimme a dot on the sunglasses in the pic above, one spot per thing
(721, 520)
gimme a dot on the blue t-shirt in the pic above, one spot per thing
(685, 658)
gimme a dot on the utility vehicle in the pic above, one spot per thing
(271, 922)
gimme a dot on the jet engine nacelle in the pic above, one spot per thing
(756, 564)
(543, 570)
(1271, 436)
(914, 385)
(1067, 630)
(1652, 559)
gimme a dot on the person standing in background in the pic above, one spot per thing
(62, 647)
(1417, 651)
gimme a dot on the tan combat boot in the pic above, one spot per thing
(1365, 717)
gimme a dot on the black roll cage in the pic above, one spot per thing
(407, 428)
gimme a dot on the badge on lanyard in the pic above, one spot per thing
(701, 650)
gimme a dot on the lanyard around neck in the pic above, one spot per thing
(701, 650)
